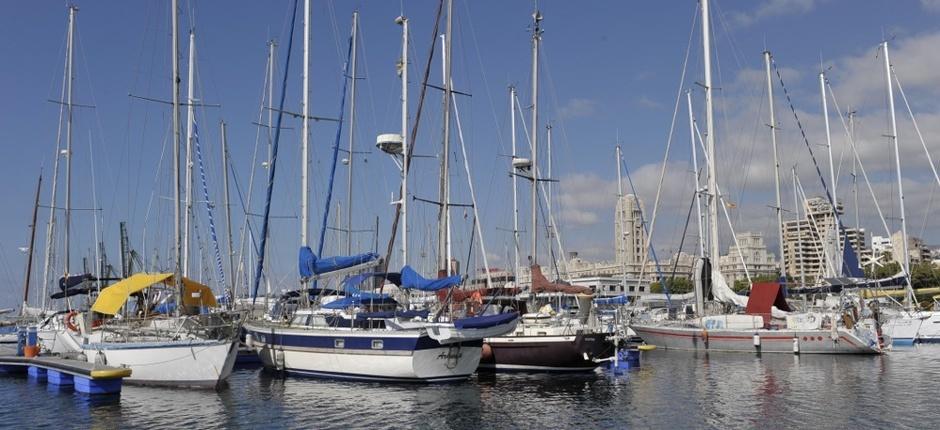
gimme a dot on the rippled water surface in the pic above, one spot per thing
(672, 389)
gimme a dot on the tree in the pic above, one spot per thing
(924, 275)
(676, 286)
(886, 270)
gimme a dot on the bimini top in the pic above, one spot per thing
(113, 298)
(311, 265)
(412, 280)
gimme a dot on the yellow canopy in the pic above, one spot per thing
(114, 297)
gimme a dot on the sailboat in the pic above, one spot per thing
(546, 339)
(768, 324)
(183, 348)
(346, 333)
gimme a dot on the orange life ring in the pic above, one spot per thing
(69, 323)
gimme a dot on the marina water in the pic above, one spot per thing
(672, 389)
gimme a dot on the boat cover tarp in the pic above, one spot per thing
(485, 320)
(838, 284)
(615, 300)
(352, 283)
(764, 296)
(540, 284)
(311, 265)
(410, 279)
(111, 299)
(72, 291)
(359, 299)
(73, 281)
(457, 295)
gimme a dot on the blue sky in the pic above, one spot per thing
(609, 68)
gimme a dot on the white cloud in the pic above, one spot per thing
(772, 8)
(577, 108)
(931, 5)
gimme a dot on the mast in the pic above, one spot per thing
(536, 40)
(905, 262)
(698, 194)
(352, 133)
(515, 191)
(176, 157)
(713, 203)
(550, 231)
(620, 216)
(305, 143)
(32, 243)
(799, 232)
(70, 53)
(228, 209)
(773, 143)
(444, 246)
(401, 20)
(190, 123)
(854, 170)
(837, 255)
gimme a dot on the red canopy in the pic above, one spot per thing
(763, 296)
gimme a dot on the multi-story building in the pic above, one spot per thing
(917, 249)
(750, 252)
(811, 251)
(630, 240)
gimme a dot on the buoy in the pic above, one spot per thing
(796, 345)
(646, 347)
(757, 342)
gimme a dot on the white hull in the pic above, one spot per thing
(810, 341)
(402, 356)
(902, 329)
(182, 363)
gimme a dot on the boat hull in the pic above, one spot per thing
(365, 355)
(196, 363)
(771, 341)
(564, 353)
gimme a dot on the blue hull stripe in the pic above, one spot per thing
(354, 342)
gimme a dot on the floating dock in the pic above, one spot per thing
(88, 378)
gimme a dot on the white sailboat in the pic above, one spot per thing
(767, 325)
(180, 350)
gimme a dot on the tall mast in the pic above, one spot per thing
(32, 243)
(352, 134)
(773, 143)
(515, 191)
(550, 231)
(905, 262)
(190, 122)
(620, 219)
(854, 169)
(401, 20)
(305, 149)
(714, 252)
(798, 253)
(698, 194)
(228, 210)
(444, 247)
(176, 156)
(836, 244)
(536, 40)
(68, 136)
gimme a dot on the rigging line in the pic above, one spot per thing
(675, 264)
(414, 132)
(209, 206)
(910, 112)
(273, 166)
(672, 129)
(336, 143)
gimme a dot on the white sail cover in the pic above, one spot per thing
(723, 293)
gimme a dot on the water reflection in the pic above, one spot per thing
(671, 389)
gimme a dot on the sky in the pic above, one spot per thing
(611, 72)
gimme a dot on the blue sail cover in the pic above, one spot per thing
(311, 265)
(359, 299)
(615, 300)
(412, 280)
(485, 321)
(850, 266)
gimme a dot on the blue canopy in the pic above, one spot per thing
(311, 265)
(411, 279)
(615, 300)
(485, 321)
(358, 299)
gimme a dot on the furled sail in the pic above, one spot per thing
(311, 265)
(410, 279)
